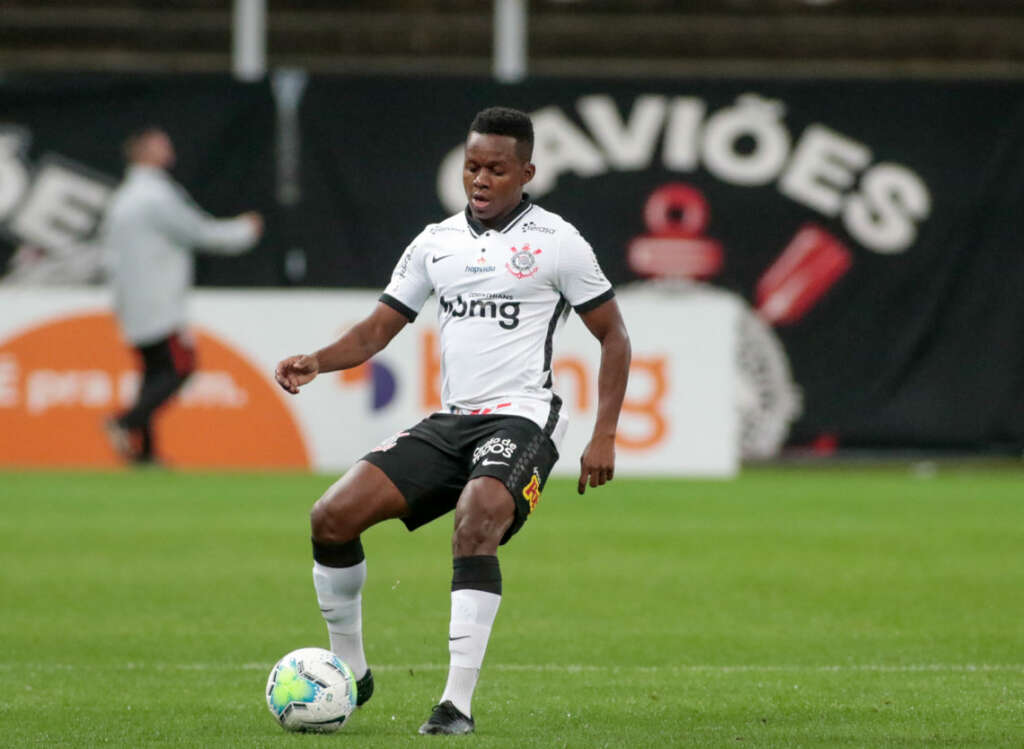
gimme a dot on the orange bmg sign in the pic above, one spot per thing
(61, 379)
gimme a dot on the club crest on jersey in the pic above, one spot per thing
(523, 263)
(531, 492)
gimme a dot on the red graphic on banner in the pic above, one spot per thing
(809, 266)
(676, 216)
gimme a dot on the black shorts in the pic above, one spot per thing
(432, 462)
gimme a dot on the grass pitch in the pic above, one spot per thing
(789, 608)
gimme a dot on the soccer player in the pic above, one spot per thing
(150, 230)
(506, 273)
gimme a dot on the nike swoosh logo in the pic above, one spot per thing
(486, 462)
(453, 639)
(435, 258)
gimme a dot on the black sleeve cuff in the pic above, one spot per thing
(397, 306)
(597, 301)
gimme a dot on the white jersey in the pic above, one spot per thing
(503, 294)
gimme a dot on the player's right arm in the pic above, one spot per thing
(356, 345)
(399, 304)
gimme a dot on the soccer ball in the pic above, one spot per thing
(311, 690)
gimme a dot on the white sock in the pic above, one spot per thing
(473, 613)
(339, 592)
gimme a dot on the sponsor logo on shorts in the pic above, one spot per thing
(531, 492)
(494, 446)
(390, 442)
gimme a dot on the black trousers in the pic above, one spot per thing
(166, 365)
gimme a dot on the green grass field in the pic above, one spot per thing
(841, 607)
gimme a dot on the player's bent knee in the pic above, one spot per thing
(329, 523)
(333, 519)
(362, 497)
(470, 540)
(485, 511)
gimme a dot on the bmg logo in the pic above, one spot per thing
(459, 307)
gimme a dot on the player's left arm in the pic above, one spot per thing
(597, 464)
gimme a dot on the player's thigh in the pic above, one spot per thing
(425, 467)
(520, 456)
(363, 497)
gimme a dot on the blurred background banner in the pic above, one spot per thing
(874, 225)
(63, 369)
(60, 156)
(871, 228)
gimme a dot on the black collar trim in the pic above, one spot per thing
(476, 228)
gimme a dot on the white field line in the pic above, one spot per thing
(551, 667)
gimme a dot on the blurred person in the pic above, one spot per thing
(506, 273)
(150, 231)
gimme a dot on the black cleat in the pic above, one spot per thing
(447, 719)
(364, 688)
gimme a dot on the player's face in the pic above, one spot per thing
(157, 149)
(493, 176)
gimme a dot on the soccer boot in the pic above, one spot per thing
(120, 440)
(447, 719)
(364, 688)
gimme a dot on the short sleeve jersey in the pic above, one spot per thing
(503, 294)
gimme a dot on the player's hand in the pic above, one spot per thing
(295, 371)
(256, 220)
(597, 464)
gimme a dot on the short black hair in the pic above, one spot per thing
(506, 121)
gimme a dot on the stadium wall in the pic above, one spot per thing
(872, 226)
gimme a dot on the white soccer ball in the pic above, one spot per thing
(311, 690)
